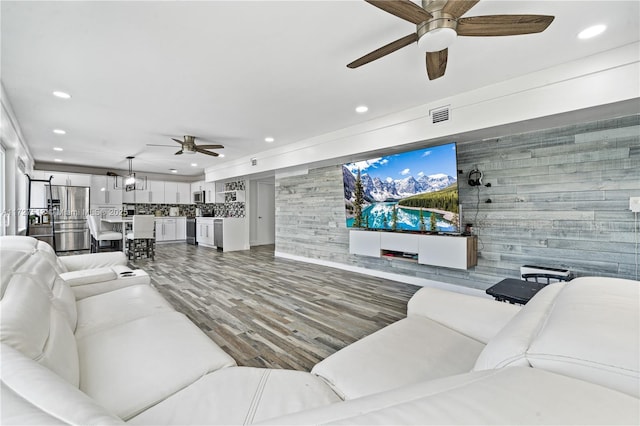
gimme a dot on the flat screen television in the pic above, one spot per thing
(411, 191)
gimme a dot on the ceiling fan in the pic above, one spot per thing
(438, 22)
(189, 146)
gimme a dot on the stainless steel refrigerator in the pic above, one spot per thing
(70, 207)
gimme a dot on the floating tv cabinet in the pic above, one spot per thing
(449, 251)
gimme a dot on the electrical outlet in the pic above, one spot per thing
(634, 204)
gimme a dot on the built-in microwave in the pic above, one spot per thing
(198, 197)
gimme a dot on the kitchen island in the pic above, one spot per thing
(222, 233)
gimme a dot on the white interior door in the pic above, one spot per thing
(266, 220)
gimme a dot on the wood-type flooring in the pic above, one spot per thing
(267, 311)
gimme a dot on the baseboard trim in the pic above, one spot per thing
(422, 282)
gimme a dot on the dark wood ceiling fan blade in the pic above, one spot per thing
(179, 152)
(436, 63)
(403, 9)
(384, 50)
(210, 146)
(177, 140)
(503, 25)
(204, 151)
(457, 8)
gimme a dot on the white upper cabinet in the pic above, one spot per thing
(184, 193)
(170, 192)
(106, 190)
(67, 179)
(155, 192)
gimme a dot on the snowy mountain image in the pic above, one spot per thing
(404, 191)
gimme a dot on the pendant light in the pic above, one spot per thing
(131, 177)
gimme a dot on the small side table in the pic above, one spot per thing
(515, 291)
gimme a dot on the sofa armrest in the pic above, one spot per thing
(93, 260)
(122, 277)
(477, 317)
(88, 276)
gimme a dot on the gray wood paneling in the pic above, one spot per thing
(559, 196)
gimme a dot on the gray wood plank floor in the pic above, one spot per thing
(272, 312)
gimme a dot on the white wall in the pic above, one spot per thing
(14, 184)
(606, 78)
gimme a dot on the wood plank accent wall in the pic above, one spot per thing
(560, 198)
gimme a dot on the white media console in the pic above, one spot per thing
(458, 252)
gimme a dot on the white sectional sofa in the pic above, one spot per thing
(120, 353)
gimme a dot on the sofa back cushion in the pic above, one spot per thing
(592, 333)
(509, 347)
(61, 293)
(34, 321)
(476, 317)
(14, 243)
(32, 394)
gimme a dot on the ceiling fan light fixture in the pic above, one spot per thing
(437, 39)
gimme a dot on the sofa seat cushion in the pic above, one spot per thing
(508, 396)
(117, 307)
(132, 366)
(410, 350)
(240, 395)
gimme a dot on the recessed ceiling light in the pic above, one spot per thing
(362, 109)
(59, 132)
(592, 31)
(221, 155)
(57, 148)
(57, 160)
(61, 95)
(269, 139)
(194, 164)
(173, 171)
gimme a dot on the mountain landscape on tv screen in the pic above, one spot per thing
(397, 193)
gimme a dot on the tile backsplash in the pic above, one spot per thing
(230, 208)
(215, 209)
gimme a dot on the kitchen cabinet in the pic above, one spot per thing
(171, 229)
(177, 193)
(181, 228)
(170, 192)
(69, 179)
(106, 190)
(60, 178)
(209, 192)
(130, 197)
(204, 231)
(154, 192)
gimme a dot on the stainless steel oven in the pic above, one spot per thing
(191, 231)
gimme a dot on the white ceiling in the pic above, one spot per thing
(235, 72)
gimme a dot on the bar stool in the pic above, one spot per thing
(142, 238)
(98, 234)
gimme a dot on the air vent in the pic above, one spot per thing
(439, 115)
(254, 161)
